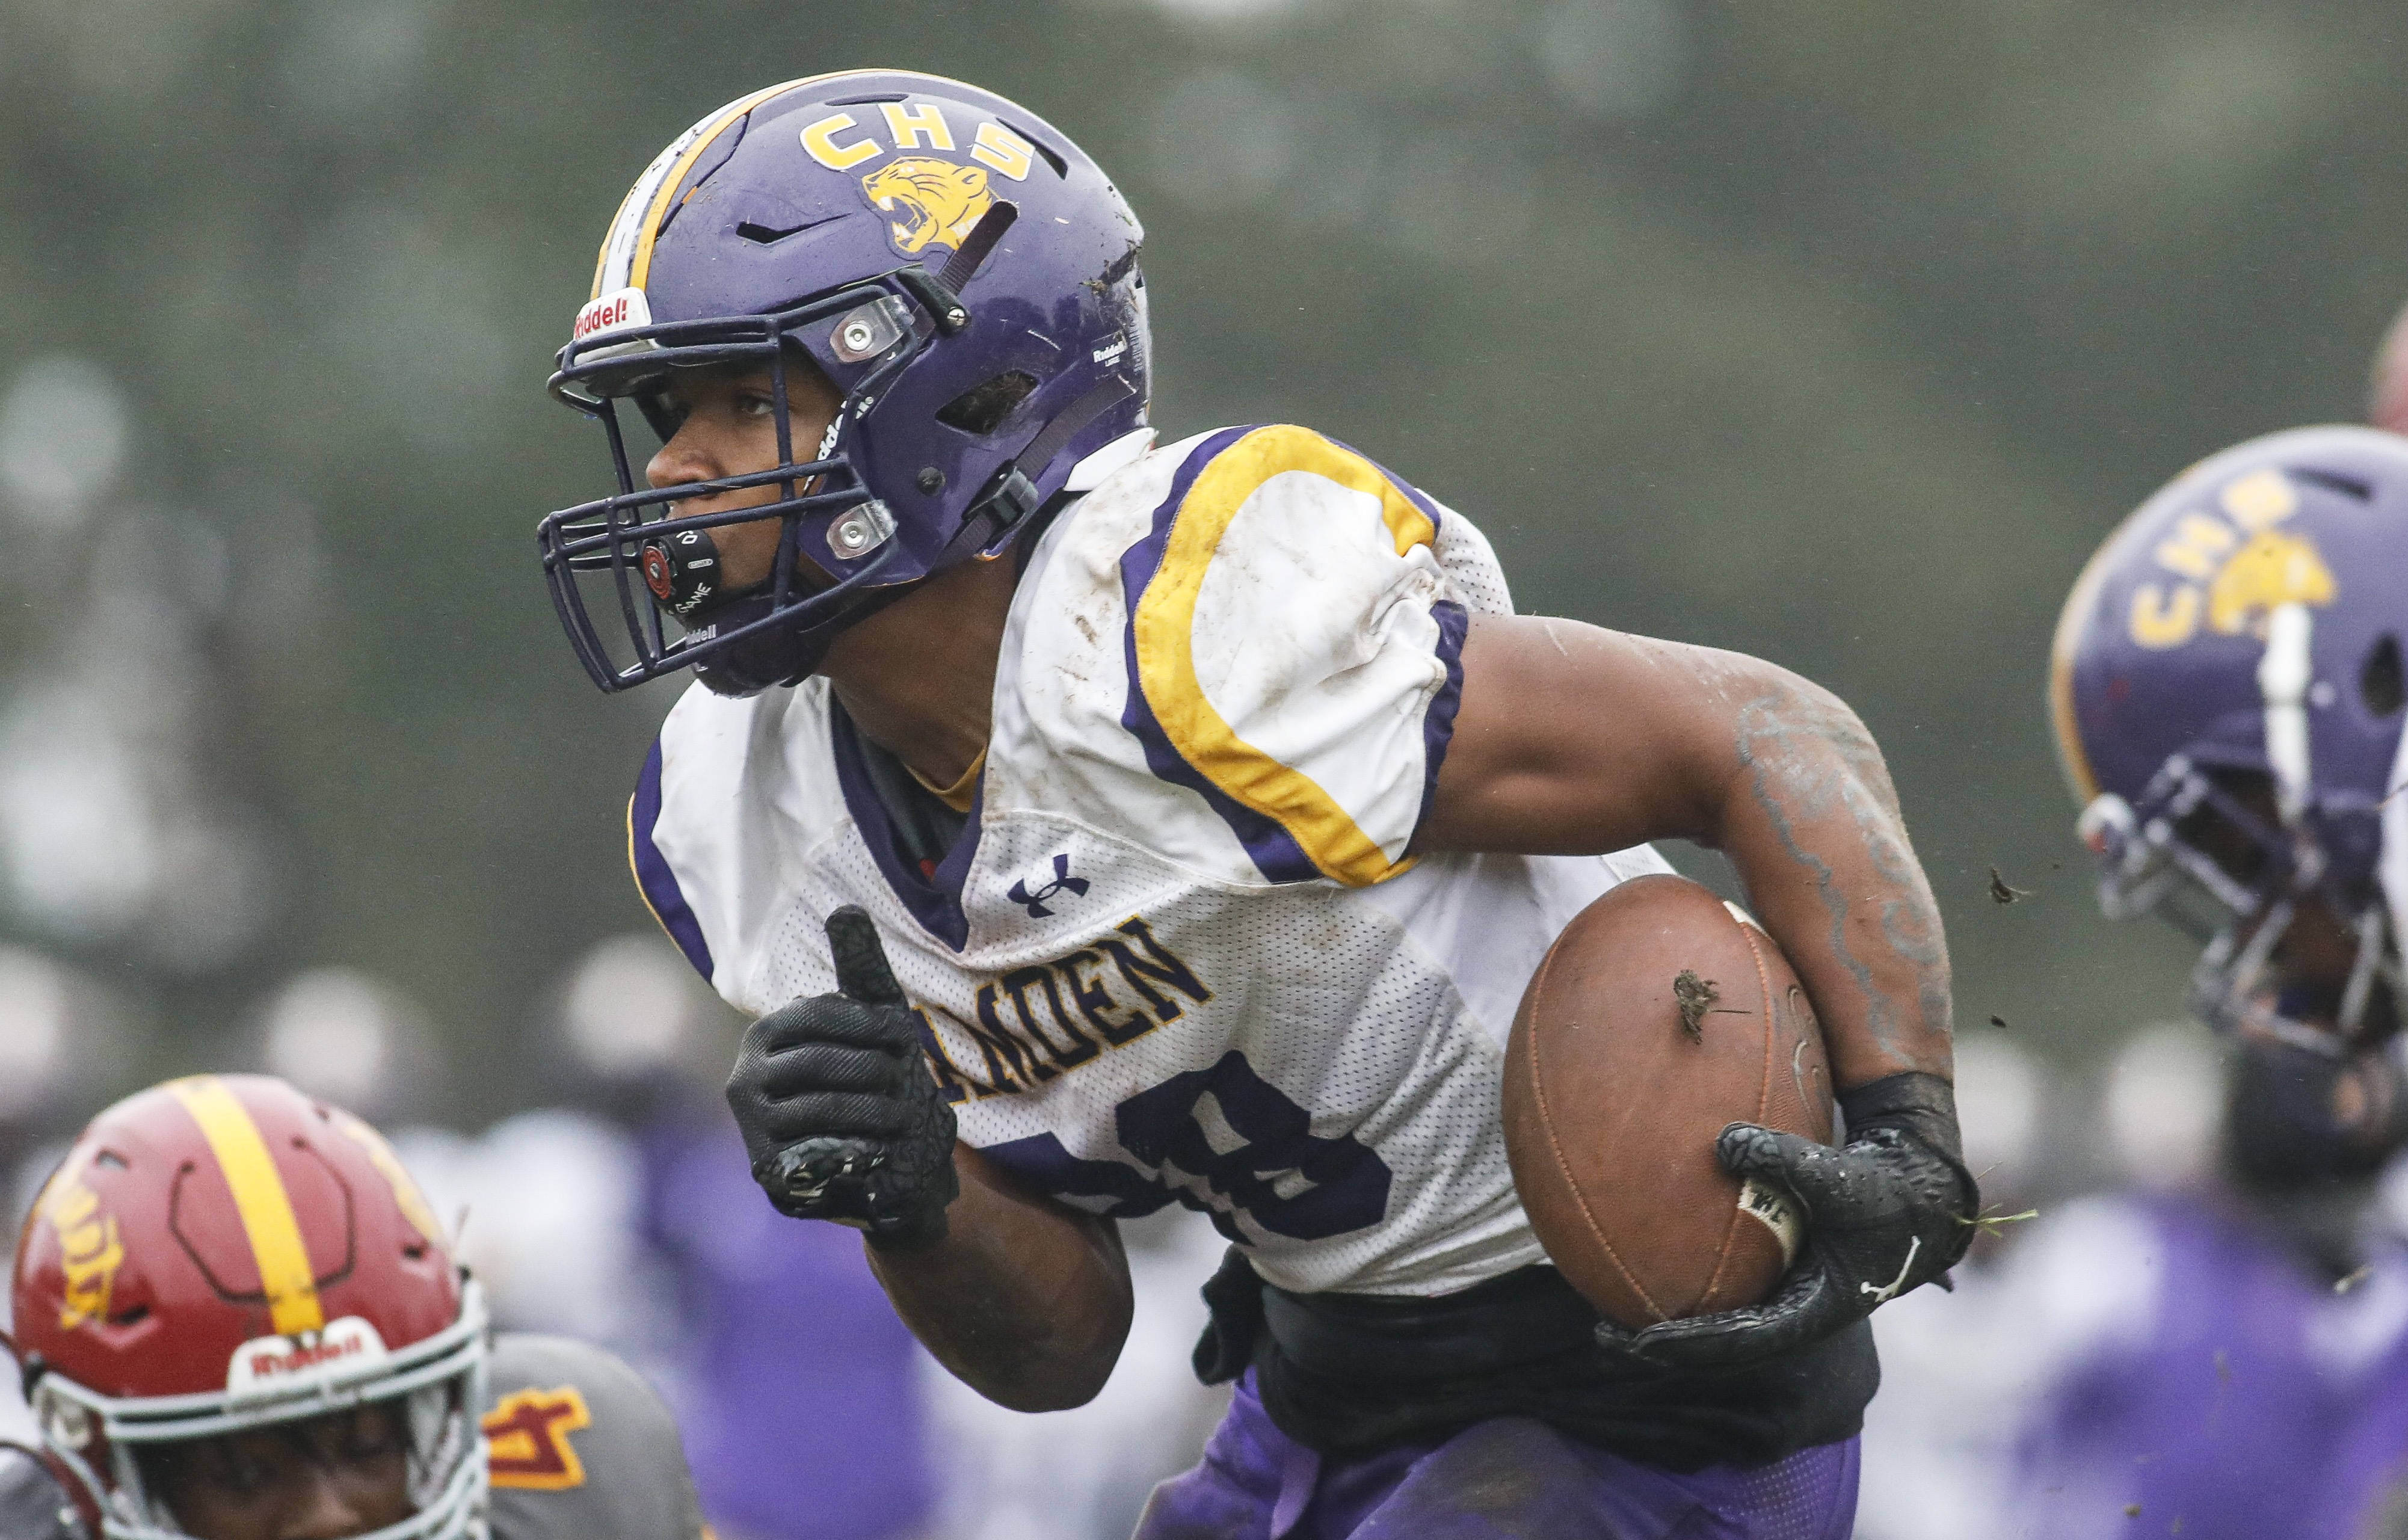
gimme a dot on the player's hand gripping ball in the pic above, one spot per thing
(840, 1116)
(1668, 1109)
(1888, 1213)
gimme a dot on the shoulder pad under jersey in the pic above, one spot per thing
(582, 1448)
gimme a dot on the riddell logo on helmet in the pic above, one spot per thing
(347, 1349)
(614, 311)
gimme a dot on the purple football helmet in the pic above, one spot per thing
(2244, 629)
(962, 274)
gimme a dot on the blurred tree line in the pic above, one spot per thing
(1835, 332)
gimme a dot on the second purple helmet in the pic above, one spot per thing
(963, 275)
(2229, 671)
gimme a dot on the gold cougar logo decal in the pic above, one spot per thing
(943, 201)
(2273, 570)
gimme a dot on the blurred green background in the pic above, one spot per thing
(1835, 332)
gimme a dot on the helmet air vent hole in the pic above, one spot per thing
(2380, 681)
(768, 234)
(131, 1317)
(111, 1158)
(872, 100)
(2348, 486)
(1052, 156)
(982, 409)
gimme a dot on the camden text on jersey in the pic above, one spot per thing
(1035, 1023)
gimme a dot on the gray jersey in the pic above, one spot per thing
(582, 1448)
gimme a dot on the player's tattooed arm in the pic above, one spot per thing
(1026, 1299)
(1573, 740)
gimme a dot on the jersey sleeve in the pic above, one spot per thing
(1294, 642)
(580, 1448)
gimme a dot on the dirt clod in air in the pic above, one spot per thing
(2002, 892)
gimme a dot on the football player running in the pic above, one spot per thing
(236, 1320)
(1093, 826)
(2228, 693)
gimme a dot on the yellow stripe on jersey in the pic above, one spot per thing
(1164, 629)
(260, 1199)
(638, 873)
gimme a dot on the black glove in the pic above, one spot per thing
(1890, 1212)
(839, 1114)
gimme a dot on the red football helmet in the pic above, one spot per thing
(222, 1253)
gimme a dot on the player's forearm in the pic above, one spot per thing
(1812, 825)
(1026, 1299)
(1572, 739)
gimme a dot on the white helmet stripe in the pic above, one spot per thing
(2284, 673)
(2392, 867)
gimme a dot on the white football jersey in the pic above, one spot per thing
(1180, 951)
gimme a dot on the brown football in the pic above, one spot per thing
(1658, 1017)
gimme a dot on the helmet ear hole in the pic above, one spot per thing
(2380, 681)
(982, 409)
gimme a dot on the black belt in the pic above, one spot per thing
(1345, 1373)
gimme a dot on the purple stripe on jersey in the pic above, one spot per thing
(1043, 1162)
(1271, 847)
(934, 901)
(1437, 723)
(653, 878)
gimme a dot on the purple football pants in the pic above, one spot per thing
(1507, 1477)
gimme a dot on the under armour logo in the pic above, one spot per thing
(1883, 1294)
(1063, 883)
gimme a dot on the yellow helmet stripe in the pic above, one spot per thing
(677, 162)
(626, 256)
(2071, 622)
(260, 1199)
(626, 260)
